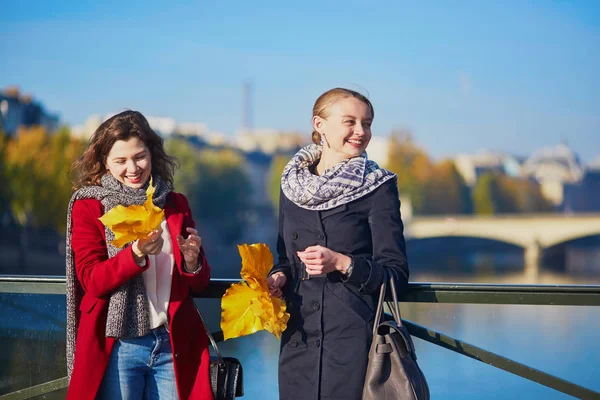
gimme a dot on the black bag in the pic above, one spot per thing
(393, 372)
(226, 374)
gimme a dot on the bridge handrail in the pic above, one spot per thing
(417, 292)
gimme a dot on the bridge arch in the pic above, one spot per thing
(527, 231)
(570, 236)
(497, 239)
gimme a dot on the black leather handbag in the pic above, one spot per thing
(226, 374)
(393, 372)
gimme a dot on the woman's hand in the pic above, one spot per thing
(151, 244)
(276, 283)
(190, 248)
(321, 260)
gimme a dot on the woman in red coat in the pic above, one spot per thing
(132, 327)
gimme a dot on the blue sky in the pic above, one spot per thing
(462, 75)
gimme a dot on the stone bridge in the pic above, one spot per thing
(533, 232)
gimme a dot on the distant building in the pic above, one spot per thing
(217, 139)
(472, 166)
(89, 126)
(553, 168)
(164, 126)
(584, 196)
(18, 110)
(269, 141)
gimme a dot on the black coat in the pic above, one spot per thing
(324, 350)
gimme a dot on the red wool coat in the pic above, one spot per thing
(99, 276)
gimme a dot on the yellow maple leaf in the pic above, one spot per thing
(133, 222)
(247, 306)
(237, 319)
(257, 261)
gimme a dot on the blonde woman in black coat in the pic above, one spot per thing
(339, 228)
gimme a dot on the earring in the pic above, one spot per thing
(322, 140)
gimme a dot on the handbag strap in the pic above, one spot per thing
(379, 311)
(396, 306)
(212, 339)
(387, 277)
(395, 309)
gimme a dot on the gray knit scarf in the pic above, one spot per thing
(128, 314)
(341, 184)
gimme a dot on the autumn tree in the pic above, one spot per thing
(189, 165)
(216, 185)
(411, 165)
(496, 193)
(445, 191)
(520, 195)
(483, 195)
(4, 201)
(37, 175)
(432, 188)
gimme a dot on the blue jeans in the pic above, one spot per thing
(140, 368)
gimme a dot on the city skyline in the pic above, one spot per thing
(511, 78)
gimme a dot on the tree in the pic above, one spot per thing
(496, 193)
(4, 200)
(189, 165)
(483, 195)
(37, 172)
(445, 192)
(520, 195)
(411, 165)
(216, 185)
(534, 200)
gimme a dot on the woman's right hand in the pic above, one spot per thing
(276, 283)
(151, 244)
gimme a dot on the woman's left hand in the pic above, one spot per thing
(190, 248)
(321, 260)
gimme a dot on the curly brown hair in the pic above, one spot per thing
(90, 167)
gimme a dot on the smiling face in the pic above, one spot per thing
(346, 128)
(129, 162)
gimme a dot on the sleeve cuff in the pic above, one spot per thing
(364, 275)
(286, 271)
(185, 268)
(143, 263)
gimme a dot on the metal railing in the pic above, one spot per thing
(456, 293)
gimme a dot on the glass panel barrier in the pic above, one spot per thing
(32, 328)
(558, 340)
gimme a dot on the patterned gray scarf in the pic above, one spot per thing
(341, 184)
(128, 314)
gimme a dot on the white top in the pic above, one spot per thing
(157, 279)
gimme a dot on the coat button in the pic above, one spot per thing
(320, 236)
(318, 343)
(176, 355)
(294, 235)
(294, 343)
(316, 306)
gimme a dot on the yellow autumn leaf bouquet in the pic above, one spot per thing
(130, 223)
(247, 306)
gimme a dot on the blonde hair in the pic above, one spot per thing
(325, 101)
